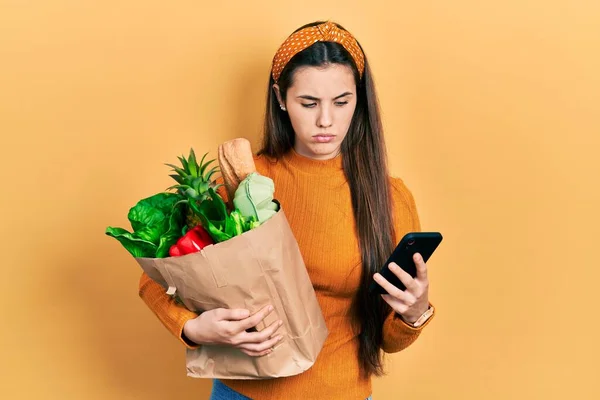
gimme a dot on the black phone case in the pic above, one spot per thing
(423, 243)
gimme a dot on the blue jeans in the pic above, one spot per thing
(220, 391)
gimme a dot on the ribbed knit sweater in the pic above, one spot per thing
(316, 198)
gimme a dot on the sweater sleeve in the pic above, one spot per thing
(397, 334)
(171, 314)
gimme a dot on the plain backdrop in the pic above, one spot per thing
(491, 113)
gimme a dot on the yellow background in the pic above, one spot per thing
(491, 112)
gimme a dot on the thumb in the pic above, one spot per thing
(235, 314)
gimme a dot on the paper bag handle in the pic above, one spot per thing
(171, 288)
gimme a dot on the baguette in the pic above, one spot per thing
(236, 162)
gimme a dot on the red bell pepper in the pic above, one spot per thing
(193, 241)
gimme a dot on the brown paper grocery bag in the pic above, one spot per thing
(262, 266)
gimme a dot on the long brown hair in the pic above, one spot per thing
(365, 166)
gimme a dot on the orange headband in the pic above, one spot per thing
(326, 32)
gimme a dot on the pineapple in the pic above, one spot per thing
(193, 181)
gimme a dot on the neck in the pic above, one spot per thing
(313, 166)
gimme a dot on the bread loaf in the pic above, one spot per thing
(236, 162)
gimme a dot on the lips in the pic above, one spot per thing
(323, 137)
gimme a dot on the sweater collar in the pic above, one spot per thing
(312, 166)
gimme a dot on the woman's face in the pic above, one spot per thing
(320, 103)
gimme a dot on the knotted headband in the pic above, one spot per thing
(326, 32)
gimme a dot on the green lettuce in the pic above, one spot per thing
(156, 221)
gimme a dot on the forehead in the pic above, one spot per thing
(327, 81)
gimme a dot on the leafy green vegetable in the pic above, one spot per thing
(136, 246)
(236, 226)
(250, 223)
(216, 232)
(213, 215)
(220, 224)
(156, 222)
(173, 233)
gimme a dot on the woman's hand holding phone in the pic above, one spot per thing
(412, 302)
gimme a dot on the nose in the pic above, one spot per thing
(325, 118)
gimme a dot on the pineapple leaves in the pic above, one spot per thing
(210, 173)
(183, 161)
(177, 178)
(202, 160)
(192, 164)
(179, 171)
(193, 179)
(191, 193)
(204, 166)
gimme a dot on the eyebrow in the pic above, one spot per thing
(307, 97)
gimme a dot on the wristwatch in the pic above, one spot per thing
(423, 318)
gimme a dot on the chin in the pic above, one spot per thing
(324, 150)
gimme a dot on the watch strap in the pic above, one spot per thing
(423, 318)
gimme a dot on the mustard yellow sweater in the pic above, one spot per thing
(317, 203)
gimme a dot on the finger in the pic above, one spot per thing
(397, 305)
(408, 300)
(392, 289)
(404, 277)
(256, 354)
(260, 347)
(234, 314)
(421, 267)
(258, 337)
(254, 320)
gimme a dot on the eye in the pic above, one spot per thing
(311, 105)
(341, 103)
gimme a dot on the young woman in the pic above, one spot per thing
(324, 149)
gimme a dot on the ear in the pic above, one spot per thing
(278, 94)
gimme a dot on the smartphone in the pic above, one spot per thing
(423, 243)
